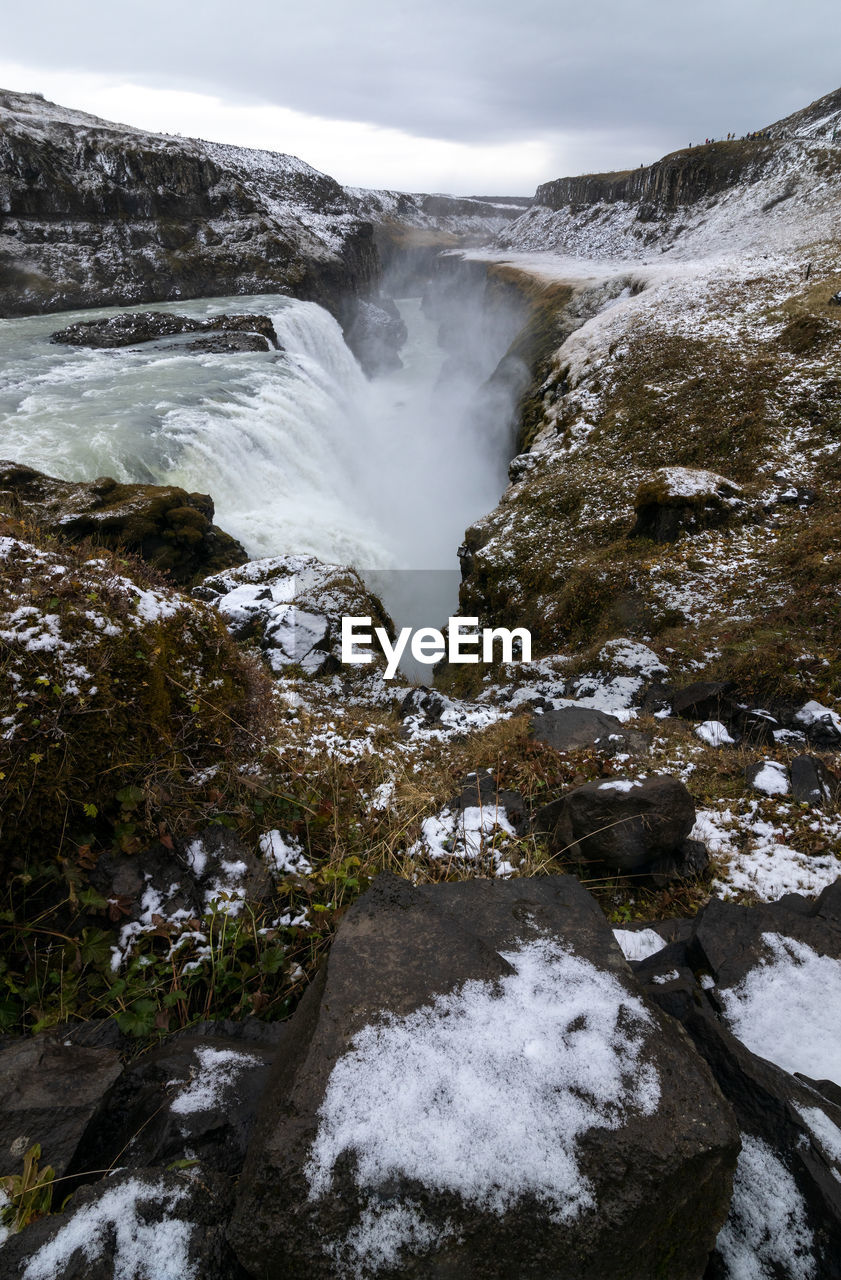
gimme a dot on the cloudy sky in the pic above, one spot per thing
(470, 96)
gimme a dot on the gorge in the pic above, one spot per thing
(493, 969)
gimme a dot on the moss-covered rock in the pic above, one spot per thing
(168, 527)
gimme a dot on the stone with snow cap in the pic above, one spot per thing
(766, 1021)
(475, 1087)
(152, 1224)
(625, 823)
(293, 607)
(196, 1094)
(676, 500)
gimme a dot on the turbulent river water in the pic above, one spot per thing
(299, 450)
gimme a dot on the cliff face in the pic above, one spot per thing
(681, 178)
(780, 189)
(94, 213)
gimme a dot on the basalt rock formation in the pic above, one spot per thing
(96, 213)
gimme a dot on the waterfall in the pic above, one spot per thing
(299, 450)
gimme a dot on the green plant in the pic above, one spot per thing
(29, 1193)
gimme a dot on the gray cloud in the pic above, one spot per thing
(659, 72)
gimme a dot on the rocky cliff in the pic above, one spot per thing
(779, 184)
(96, 213)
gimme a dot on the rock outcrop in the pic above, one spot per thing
(128, 330)
(168, 527)
(459, 1099)
(96, 214)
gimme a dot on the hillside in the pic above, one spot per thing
(780, 189)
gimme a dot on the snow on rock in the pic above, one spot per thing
(406, 1098)
(293, 606)
(213, 1081)
(825, 1132)
(284, 854)
(714, 733)
(767, 1232)
(639, 944)
(814, 713)
(788, 1008)
(688, 482)
(630, 655)
(771, 777)
(125, 1223)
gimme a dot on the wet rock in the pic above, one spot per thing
(569, 728)
(678, 500)
(624, 824)
(165, 525)
(228, 344)
(293, 606)
(811, 782)
(702, 700)
(49, 1093)
(129, 330)
(376, 335)
(151, 1222)
(323, 1198)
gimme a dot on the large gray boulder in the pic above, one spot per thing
(49, 1092)
(474, 1088)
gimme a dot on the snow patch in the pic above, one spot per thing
(485, 1092)
(788, 1009)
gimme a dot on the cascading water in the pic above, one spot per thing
(300, 451)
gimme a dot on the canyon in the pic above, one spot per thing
(497, 968)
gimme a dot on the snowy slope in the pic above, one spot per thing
(781, 191)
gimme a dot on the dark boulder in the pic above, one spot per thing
(568, 728)
(168, 527)
(811, 782)
(821, 725)
(49, 1092)
(624, 824)
(151, 1222)
(702, 700)
(196, 1094)
(690, 861)
(131, 329)
(499, 1146)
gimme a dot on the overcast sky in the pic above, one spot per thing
(471, 96)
